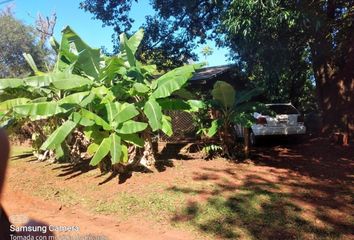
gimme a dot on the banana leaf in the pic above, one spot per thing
(153, 113)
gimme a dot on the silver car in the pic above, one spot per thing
(287, 121)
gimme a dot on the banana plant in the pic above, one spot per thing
(152, 96)
(114, 100)
(231, 108)
(39, 98)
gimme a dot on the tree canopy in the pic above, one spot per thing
(17, 38)
(281, 45)
(170, 32)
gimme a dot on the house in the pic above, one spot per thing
(205, 78)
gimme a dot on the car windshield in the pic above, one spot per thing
(283, 109)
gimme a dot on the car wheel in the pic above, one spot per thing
(253, 140)
(300, 138)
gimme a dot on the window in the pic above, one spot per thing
(283, 109)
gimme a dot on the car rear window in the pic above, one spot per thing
(283, 109)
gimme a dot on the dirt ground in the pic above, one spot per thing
(285, 190)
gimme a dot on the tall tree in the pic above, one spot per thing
(17, 38)
(45, 26)
(278, 43)
(207, 51)
(170, 32)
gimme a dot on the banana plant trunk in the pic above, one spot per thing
(148, 157)
(246, 148)
(143, 156)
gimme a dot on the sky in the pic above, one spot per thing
(69, 13)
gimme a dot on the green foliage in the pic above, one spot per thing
(283, 46)
(159, 46)
(228, 108)
(59, 135)
(224, 93)
(271, 48)
(102, 152)
(113, 100)
(212, 149)
(207, 51)
(153, 111)
(17, 38)
(235, 108)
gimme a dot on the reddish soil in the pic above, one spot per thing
(52, 213)
(315, 175)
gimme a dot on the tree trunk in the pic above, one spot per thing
(335, 89)
(334, 74)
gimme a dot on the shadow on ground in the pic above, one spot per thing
(177, 151)
(163, 162)
(70, 171)
(314, 158)
(288, 192)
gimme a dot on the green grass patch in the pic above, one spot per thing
(251, 213)
(158, 206)
(17, 151)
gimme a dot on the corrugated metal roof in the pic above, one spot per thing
(210, 72)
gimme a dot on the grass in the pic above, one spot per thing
(251, 213)
(154, 206)
(19, 150)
